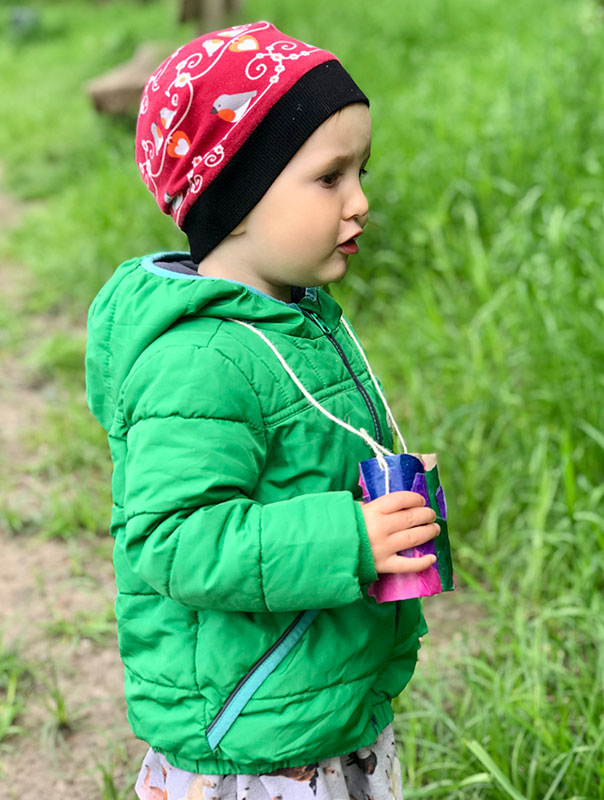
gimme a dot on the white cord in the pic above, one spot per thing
(375, 383)
(379, 450)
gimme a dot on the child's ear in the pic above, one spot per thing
(241, 228)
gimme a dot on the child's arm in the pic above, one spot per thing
(196, 448)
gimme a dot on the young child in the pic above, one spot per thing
(238, 405)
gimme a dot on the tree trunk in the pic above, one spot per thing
(211, 15)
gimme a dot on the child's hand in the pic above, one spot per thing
(395, 522)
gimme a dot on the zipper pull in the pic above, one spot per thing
(317, 320)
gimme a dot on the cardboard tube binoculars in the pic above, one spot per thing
(414, 473)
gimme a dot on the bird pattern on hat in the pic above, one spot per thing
(231, 107)
(203, 102)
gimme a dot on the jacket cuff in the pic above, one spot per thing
(367, 573)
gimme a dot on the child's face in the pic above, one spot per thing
(316, 203)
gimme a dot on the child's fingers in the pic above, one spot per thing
(412, 537)
(404, 564)
(395, 501)
(408, 518)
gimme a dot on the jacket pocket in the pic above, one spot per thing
(255, 677)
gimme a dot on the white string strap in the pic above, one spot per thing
(379, 450)
(375, 383)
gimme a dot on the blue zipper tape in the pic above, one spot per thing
(256, 678)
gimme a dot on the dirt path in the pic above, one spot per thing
(56, 604)
(53, 592)
(38, 588)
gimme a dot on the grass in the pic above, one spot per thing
(68, 468)
(15, 676)
(60, 719)
(98, 626)
(525, 713)
(478, 292)
(117, 775)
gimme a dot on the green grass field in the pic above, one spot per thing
(478, 292)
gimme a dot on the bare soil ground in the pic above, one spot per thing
(71, 750)
(37, 586)
(46, 582)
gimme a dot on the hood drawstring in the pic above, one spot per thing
(380, 452)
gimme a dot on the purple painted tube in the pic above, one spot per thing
(415, 473)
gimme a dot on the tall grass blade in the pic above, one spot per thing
(487, 762)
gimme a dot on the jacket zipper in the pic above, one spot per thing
(319, 322)
(254, 669)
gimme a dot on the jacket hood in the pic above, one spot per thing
(145, 297)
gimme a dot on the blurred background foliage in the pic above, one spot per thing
(478, 292)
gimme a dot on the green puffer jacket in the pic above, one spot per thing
(241, 557)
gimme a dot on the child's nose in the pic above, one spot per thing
(357, 204)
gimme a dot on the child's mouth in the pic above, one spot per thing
(349, 247)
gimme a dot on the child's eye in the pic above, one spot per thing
(332, 176)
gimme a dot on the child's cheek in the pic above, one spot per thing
(289, 227)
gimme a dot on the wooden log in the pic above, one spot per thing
(119, 90)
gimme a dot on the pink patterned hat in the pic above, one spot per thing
(223, 115)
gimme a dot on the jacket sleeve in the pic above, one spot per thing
(196, 447)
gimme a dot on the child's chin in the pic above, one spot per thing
(329, 273)
(338, 272)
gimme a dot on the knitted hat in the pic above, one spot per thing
(223, 115)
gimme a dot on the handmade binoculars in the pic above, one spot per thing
(415, 473)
